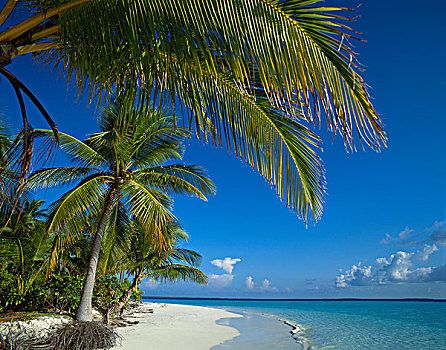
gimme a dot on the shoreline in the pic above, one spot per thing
(177, 326)
(173, 326)
(165, 326)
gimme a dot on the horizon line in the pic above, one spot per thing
(295, 299)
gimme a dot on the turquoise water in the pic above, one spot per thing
(348, 325)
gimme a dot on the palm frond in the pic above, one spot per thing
(80, 153)
(191, 257)
(299, 47)
(179, 179)
(177, 272)
(151, 208)
(82, 201)
(62, 176)
(116, 241)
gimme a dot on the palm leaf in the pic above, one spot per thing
(179, 179)
(62, 176)
(82, 201)
(177, 272)
(80, 153)
(150, 207)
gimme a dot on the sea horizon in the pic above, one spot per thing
(295, 299)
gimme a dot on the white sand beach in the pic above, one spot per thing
(177, 327)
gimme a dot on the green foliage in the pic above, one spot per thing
(254, 75)
(8, 290)
(60, 293)
(108, 292)
(126, 155)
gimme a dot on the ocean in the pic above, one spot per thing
(348, 325)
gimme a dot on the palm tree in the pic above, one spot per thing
(129, 251)
(140, 258)
(123, 163)
(24, 245)
(252, 74)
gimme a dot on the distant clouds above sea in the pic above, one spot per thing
(399, 267)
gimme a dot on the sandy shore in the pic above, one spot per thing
(177, 327)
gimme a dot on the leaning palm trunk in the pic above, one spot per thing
(84, 312)
(119, 307)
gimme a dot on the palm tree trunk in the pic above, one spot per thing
(126, 297)
(84, 311)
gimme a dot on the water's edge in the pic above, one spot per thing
(289, 337)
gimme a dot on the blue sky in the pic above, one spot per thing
(384, 218)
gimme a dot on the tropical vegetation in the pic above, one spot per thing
(118, 170)
(253, 75)
(141, 236)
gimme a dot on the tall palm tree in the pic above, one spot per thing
(252, 74)
(123, 163)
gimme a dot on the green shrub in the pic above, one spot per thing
(61, 292)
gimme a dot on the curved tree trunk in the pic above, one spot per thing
(84, 311)
(119, 308)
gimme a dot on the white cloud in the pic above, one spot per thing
(436, 226)
(389, 239)
(395, 269)
(227, 264)
(436, 234)
(405, 237)
(220, 280)
(406, 232)
(267, 287)
(356, 276)
(223, 280)
(150, 283)
(438, 237)
(249, 282)
(426, 252)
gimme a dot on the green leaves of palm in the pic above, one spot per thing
(123, 155)
(232, 67)
(249, 74)
(24, 245)
(141, 258)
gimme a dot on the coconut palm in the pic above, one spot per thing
(129, 251)
(140, 258)
(251, 74)
(24, 245)
(123, 163)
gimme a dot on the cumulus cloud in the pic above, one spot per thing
(357, 276)
(395, 269)
(220, 280)
(249, 282)
(426, 252)
(405, 233)
(266, 285)
(388, 240)
(227, 264)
